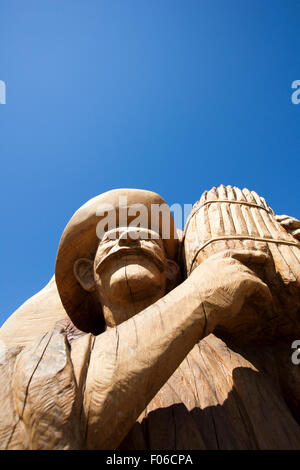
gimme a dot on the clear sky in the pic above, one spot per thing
(174, 96)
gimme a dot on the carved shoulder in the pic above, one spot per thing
(45, 393)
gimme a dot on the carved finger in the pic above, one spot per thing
(290, 223)
(281, 217)
(296, 234)
(245, 256)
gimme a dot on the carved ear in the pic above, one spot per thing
(84, 273)
(173, 274)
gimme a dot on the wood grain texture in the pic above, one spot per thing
(204, 366)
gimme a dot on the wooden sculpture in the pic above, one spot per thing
(118, 353)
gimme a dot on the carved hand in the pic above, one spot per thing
(290, 224)
(225, 283)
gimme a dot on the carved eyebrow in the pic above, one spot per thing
(118, 230)
(106, 236)
(105, 240)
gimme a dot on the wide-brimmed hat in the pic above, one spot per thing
(80, 240)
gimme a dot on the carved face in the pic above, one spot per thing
(130, 271)
(130, 264)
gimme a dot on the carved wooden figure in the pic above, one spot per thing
(148, 342)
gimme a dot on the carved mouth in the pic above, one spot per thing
(132, 253)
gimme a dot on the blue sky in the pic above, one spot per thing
(169, 95)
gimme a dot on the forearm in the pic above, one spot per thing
(131, 362)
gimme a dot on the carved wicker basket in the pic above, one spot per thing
(230, 218)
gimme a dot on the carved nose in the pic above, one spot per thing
(128, 239)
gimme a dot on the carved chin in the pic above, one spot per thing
(135, 280)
